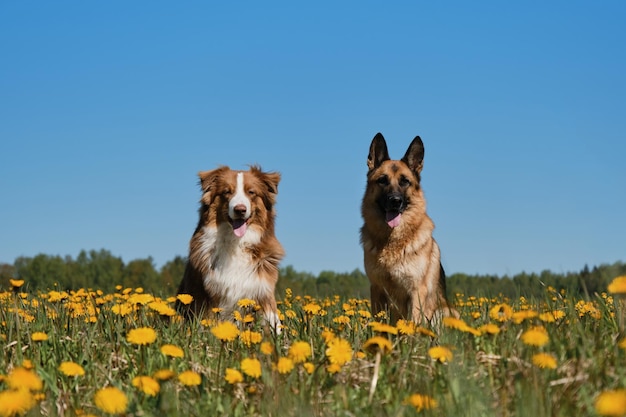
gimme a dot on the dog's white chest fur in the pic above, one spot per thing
(232, 273)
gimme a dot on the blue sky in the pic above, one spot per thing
(109, 109)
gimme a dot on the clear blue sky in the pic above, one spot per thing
(109, 109)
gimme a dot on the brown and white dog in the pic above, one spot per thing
(234, 253)
(402, 259)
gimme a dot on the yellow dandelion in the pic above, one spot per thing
(544, 360)
(284, 365)
(535, 336)
(147, 385)
(162, 308)
(39, 337)
(377, 344)
(333, 368)
(141, 336)
(519, 316)
(489, 328)
(111, 400)
(16, 283)
(267, 348)
(308, 367)
(341, 320)
(233, 376)
(611, 403)
(16, 402)
(22, 378)
(407, 327)
(312, 308)
(249, 337)
(426, 332)
(618, 285)
(226, 331)
(421, 402)
(246, 302)
(501, 312)
(339, 351)
(122, 309)
(185, 298)
(28, 364)
(328, 335)
(300, 351)
(190, 378)
(71, 369)
(440, 353)
(172, 351)
(251, 367)
(383, 327)
(622, 343)
(164, 374)
(453, 323)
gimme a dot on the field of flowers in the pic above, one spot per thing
(87, 353)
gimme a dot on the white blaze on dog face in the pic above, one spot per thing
(239, 207)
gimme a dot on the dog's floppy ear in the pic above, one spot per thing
(270, 180)
(414, 156)
(378, 152)
(208, 180)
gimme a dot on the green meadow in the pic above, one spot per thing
(127, 352)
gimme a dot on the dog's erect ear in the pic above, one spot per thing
(378, 152)
(271, 180)
(414, 156)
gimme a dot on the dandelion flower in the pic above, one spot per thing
(383, 327)
(147, 385)
(535, 336)
(339, 351)
(28, 364)
(111, 400)
(226, 331)
(308, 367)
(39, 337)
(267, 348)
(71, 369)
(440, 353)
(172, 351)
(333, 368)
(190, 378)
(141, 336)
(250, 337)
(501, 312)
(611, 403)
(185, 298)
(233, 376)
(163, 374)
(378, 343)
(622, 343)
(300, 351)
(16, 283)
(489, 328)
(407, 327)
(421, 402)
(22, 378)
(284, 365)
(246, 302)
(312, 308)
(618, 285)
(544, 360)
(519, 316)
(15, 402)
(251, 367)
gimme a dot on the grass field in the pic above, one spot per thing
(84, 353)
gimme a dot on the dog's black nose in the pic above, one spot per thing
(394, 201)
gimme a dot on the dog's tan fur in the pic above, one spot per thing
(402, 262)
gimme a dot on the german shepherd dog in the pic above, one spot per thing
(402, 259)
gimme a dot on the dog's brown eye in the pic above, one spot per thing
(383, 180)
(252, 193)
(404, 182)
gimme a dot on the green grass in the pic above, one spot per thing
(488, 375)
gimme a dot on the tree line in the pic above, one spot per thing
(104, 271)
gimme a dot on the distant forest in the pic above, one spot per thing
(102, 270)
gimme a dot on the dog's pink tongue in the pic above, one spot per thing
(393, 218)
(239, 227)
